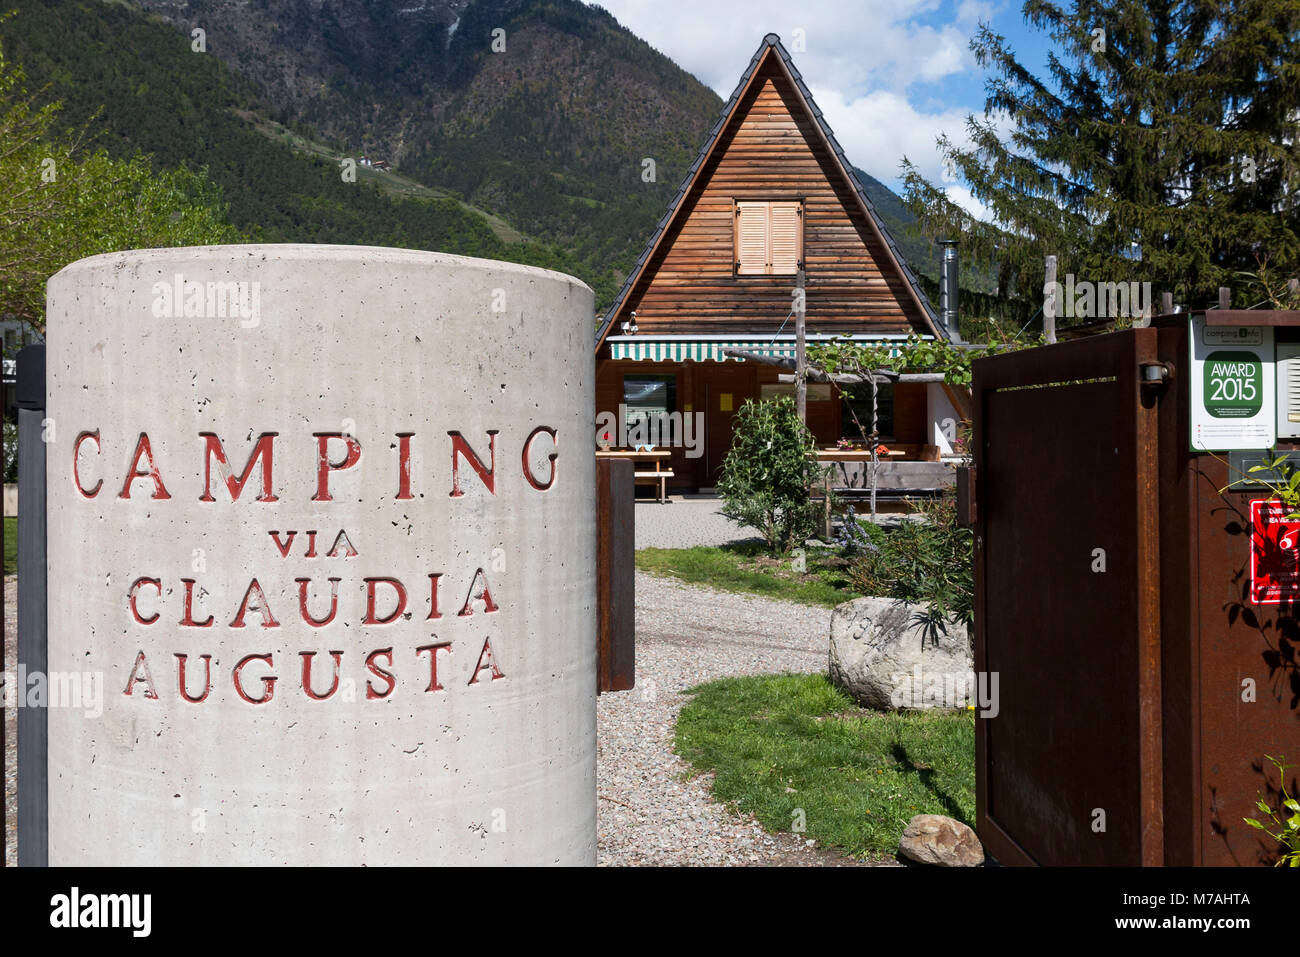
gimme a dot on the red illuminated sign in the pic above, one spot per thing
(1274, 554)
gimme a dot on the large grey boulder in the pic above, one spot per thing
(940, 841)
(886, 655)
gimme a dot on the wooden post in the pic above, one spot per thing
(1166, 303)
(826, 507)
(874, 439)
(800, 362)
(1049, 301)
(615, 571)
(1225, 298)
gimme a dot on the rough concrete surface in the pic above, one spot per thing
(429, 422)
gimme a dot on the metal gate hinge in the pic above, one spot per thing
(1156, 373)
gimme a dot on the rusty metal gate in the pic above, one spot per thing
(1139, 688)
(1064, 563)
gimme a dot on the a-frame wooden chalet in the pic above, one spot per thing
(770, 193)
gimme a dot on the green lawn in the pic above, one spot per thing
(747, 567)
(787, 746)
(11, 546)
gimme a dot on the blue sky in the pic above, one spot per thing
(890, 75)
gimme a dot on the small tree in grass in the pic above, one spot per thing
(768, 472)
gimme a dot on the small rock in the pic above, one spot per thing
(941, 841)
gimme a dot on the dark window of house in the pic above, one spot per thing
(646, 395)
(859, 401)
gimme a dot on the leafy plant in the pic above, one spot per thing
(1284, 489)
(927, 560)
(1288, 825)
(768, 472)
(915, 355)
(10, 452)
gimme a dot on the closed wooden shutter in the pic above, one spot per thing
(751, 239)
(785, 234)
(769, 238)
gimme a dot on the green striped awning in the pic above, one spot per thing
(710, 348)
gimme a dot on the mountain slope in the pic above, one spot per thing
(541, 152)
(135, 85)
(544, 111)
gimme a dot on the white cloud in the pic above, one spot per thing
(963, 198)
(851, 44)
(863, 61)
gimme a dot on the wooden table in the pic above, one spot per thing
(853, 455)
(659, 476)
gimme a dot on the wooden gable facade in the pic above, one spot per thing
(770, 205)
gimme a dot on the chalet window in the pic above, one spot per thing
(647, 395)
(769, 238)
(859, 401)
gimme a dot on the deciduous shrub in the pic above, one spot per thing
(921, 561)
(768, 472)
(10, 452)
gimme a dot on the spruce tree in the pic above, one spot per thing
(1162, 147)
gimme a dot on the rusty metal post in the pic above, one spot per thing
(615, 575)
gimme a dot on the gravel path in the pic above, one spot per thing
(684, 523)
(648, 813)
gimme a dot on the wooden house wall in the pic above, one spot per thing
(689, 286)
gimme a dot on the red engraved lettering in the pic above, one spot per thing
(307, 657)
(140, 672)
(433, 662)
(130, 598)
(283, 546)
(371, 618)
(263, 450)
(324, 466)
(551, 457)
(311, 545)
(378, 672)
(302, 602)
(459, 447)
(347, 544)
(404, 464)
(486, 659)
(143, 450)
(188, 621)
(76, 475)
(268, 682)
(433, 596)
(482, 594)
(207, 678)
(260, 606)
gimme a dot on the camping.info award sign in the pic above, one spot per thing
(1233, 405)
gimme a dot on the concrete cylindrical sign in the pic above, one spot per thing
(320, 525)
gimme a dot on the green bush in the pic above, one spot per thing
(922, 561)
(10, 452)
(768, 472)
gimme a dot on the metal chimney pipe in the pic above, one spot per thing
(949, 289)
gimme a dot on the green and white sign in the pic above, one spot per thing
(1232, 386)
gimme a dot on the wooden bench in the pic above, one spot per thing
(658, 477)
